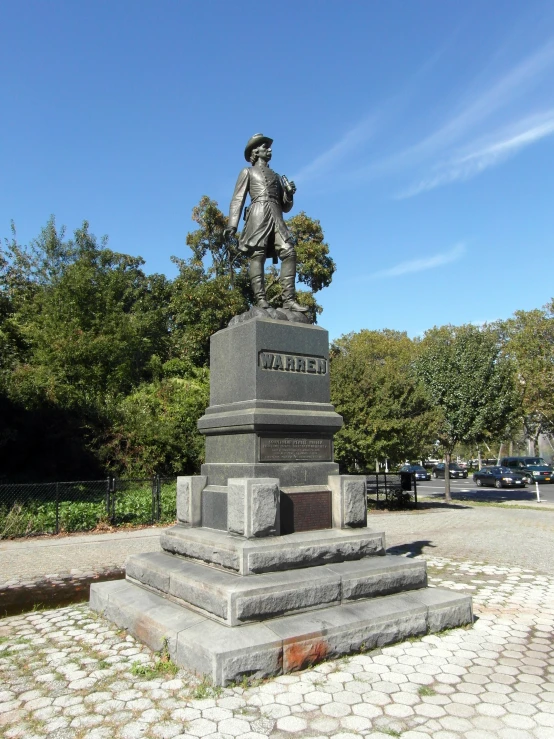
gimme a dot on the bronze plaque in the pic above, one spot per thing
(305, 511)
(295, 449)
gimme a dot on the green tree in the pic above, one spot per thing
(207, 241)
(91, 345)
(93, 327)
(156, 431)
(201, 303)
(469, 380)
(529, 342)
(386, 412)
(82, 326)
(17, 289)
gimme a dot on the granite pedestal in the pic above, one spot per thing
(271, 566)
(270, 413)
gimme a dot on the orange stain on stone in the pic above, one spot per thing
(298, 655)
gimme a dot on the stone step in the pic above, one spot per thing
(234, 600)
(272, 553)
(225, 654)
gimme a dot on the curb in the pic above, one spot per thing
(51, 592)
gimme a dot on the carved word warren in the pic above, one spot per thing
(293, 363)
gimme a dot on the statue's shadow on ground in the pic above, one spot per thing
(412, 549)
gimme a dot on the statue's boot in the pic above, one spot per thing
(288, 279)
(256, 272)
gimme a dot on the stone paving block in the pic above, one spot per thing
(446, 609)
(211, 649)
(152, 569)
(189, 499)
(279, 645)
(151, 619)
(375, 576)
(349, 500)
(231, 598)
(99, 597)
(203, 545)
(271, 554)
(253, 506)
(311, 637)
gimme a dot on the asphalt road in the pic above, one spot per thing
(467, 490)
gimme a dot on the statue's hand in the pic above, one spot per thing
(228, 233)
(292, 187)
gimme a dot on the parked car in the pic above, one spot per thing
(532, 468)
(500, 477)
(419, 472)
(455, 471)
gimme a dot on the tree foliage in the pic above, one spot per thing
(156, 429)
(85, 326)
(469, 380)
(529, 342)
(386, 412)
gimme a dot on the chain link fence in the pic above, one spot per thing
(84, 505)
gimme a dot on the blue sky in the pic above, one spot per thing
(420, 134)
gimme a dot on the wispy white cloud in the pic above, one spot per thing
(460, 147)
(424, 264)
(359, 135)
(337, 152)
(483, 155)
(482, 105)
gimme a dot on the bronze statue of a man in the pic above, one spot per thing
(265, 232)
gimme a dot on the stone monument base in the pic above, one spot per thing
(279, 645)
(252, 601)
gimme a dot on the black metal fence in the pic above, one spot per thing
(84, 505)
(391, 490)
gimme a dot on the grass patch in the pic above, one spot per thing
(205, 689)
(162, 666)
(247, 682)
(425, 690)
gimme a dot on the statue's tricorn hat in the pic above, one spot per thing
(256, 140)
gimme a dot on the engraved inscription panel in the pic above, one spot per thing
(295, 449)
(309, 511)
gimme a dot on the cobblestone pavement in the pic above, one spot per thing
(68, 674)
